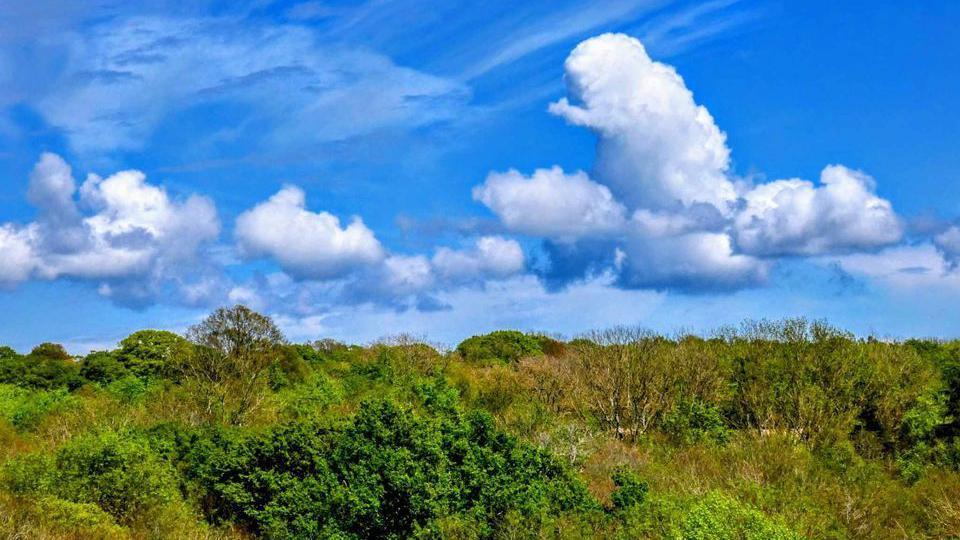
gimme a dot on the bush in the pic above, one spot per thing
(385, 474)
(102, 367)
(24, 409)
(719, 517)
(48, 366)
(500, 346)
(694, 422)
(630, 492)
(117, 472)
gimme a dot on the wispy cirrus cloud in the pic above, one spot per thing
(277, 85)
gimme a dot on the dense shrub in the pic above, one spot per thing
(116, 471)
(24, 408)
(719, 517)
(102, 367)
(387, 473)
(694, 422)
(500, 346)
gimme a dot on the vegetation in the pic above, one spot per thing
(784, 429)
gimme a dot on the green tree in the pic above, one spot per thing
(234, 349)
(150, 353)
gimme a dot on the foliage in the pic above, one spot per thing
(769, 430)
(630, 492)
(387, 473)
(117, 472)
(102, 367)
(151, 353)
(48, 366)
(718, 517)
(234, 349)
(500, 346)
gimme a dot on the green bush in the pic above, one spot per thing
(719, 517)
(102, 367)
(500, 346)
(152, 353)
(310, 398)
(693, 422)
(48, 366)
(24, 408)
(630, 492)
(385, 474)
(117, 472)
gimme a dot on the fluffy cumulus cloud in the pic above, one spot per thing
(306, 244)
(656, 146)
(661, 208)
(490, 257)
(794, 217)
(121, 232)
(551, 203)
(398, 282)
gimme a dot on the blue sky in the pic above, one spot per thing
(360, 169)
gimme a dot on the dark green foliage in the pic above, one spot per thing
(102, 367)
(695, 422)
(48, 366)
(291, 367)
(500, 346)
(630, 492)
(387, 473)
(151, 353)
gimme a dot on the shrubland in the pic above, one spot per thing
(786, 429)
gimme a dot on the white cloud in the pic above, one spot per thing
(121, 79)
(656, 147)
(307, 244)
(490, 257)
(698, 261)
(18, 260)
(551, 203)
(127, 234)
(948, 242)
(908, 268)
(408, 274)
(794, 217)
(662, 161)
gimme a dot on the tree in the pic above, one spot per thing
(150, 353)
(48, 366)
(234, 348)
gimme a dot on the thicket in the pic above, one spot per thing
(782, 429)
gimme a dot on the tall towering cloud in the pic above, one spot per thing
(661, 209)
(656, 147)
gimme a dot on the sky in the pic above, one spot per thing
(362, 169)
